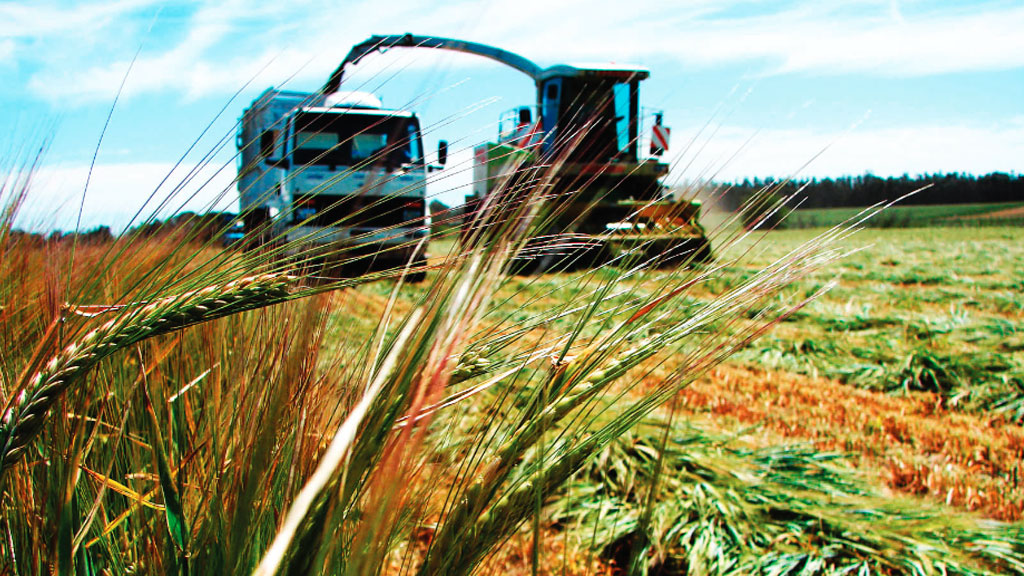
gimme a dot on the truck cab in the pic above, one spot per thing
(337, 173)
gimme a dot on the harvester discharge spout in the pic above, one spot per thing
(586, 126)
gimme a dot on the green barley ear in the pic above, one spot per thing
(25, 414)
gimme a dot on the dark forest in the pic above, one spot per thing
(866, 190)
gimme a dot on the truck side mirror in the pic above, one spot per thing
(442, 152)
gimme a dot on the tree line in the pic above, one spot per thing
(866, 190)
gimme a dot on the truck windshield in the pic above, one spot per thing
(351, 138)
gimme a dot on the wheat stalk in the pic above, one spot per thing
(25, 414)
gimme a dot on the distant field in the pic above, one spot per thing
(1008, 214)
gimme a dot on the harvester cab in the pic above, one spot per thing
(594, 108)
(586, 125)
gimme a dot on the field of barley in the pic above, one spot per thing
(817, 401)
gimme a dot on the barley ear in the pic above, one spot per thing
(26, 414)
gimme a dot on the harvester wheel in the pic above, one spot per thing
(417, 276)
(575, 253)
(689, 251)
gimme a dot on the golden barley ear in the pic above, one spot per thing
(24, 417)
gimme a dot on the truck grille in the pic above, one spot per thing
(358, 211)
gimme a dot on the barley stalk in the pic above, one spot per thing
(25, 415)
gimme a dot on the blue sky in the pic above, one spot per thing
(749, 88)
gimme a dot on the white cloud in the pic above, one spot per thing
(947, 43)
(227, 44)
(42, 19)
(894, 11)
(821, 37)
(176, 68)
(118, 191)
(814, 37)
(6, 51)
(181, 70)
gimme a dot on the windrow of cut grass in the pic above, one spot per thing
(931, 368)
(722, 507)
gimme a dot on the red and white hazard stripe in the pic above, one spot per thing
(659, 137)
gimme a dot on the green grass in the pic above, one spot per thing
(172, 408)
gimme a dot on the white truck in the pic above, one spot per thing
(336, 176)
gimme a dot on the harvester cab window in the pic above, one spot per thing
(551, 105)
(588, 117)
(623, 114)
(515, 125)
